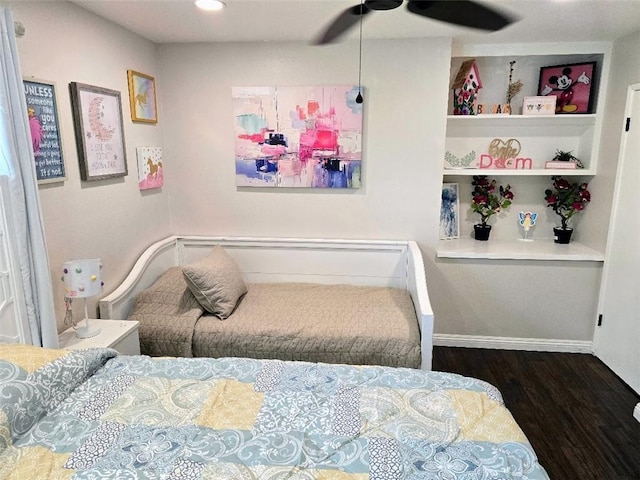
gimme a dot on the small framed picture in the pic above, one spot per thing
(450, 212)
(44, 126)
(97, 118)
(571, 84)
(539, 105)
(142, 97)
(150, 171)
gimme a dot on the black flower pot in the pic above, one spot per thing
(482, 231)
(562, 235)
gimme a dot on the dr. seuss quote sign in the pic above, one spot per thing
(45, 130)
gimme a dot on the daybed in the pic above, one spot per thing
(335, 301)
(90, 414)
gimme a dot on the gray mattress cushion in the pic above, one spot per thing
(317, 323)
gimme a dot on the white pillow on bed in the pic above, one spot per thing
(216, 282)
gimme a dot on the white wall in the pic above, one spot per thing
(406, 83)
(547, 300)
(625, 70)
(406, 91)
(110, 219)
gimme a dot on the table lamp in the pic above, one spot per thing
(83, 279)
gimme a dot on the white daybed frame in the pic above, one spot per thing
(357, 262)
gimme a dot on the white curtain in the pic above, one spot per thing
(16, 161)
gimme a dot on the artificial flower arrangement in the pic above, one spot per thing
(566, 198)
(489, 198)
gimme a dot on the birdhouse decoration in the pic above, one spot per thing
(465, 88)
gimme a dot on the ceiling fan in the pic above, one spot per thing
(466, 13)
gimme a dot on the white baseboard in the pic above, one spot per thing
(513, 343)
(636, 412)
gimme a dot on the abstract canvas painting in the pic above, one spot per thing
(449, 212)
(150, 171)
(309, 137)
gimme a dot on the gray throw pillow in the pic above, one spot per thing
(216, 282)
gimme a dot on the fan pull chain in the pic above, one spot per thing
(359, 98)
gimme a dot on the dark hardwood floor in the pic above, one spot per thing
(575, 411)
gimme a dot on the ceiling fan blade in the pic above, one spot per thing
(342, 24)
(466, 13)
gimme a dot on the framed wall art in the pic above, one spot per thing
(44, 125)
(571, 84)
(150, 169)
(298, 137)
(450, 212)
(97, 118)
(539, 105)
(142, 97)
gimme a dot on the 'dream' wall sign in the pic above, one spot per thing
(503, 154)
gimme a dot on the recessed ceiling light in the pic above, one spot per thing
(210, 5)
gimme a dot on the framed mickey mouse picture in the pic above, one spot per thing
(571, 84)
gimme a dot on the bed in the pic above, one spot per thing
(91, 414)
(332, 301)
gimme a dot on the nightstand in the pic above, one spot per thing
(121, 335)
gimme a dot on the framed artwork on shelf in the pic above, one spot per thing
(539, 105)
(44, 126)
(97, 118)
(450, 212)
(571, 84)
(142, 97)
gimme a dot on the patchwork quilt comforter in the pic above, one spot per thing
(91, 414)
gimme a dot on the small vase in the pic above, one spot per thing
(482, 231)
(562, 235)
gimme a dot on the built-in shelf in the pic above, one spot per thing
(543, 249)
(572, 120)
(540, 135)
(527, 141)
(493, 172)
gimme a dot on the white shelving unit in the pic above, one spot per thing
(539, 137)
(567, 132)
(545, 249)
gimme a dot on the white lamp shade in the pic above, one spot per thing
(82, 278)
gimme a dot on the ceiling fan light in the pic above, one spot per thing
(210, 5)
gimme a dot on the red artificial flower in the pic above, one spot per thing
(567, 199)
(480, 181)
(480, 199)
(485, 199)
